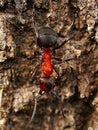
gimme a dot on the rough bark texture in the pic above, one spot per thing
(78, 86)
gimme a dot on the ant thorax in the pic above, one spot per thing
(47, 67)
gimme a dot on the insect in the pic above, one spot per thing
(47, 40)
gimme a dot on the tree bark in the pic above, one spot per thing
(78, 85)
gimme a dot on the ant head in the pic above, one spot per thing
(47, 37)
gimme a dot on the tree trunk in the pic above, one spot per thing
(77, 86)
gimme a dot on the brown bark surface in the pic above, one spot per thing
(78, 85)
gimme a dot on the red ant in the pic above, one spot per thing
(47, 40)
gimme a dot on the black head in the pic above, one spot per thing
(47, 37)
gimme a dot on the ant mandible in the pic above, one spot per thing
(47, 40)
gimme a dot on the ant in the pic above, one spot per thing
(47, 40)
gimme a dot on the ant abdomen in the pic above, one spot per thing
(47, 37)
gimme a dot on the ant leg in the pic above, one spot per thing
(57, 58)
(65, 41)
(71, 14)
(59, 100)
(60, 60)
(56, 70)
(35, 70)
(69, 37)
(35, 29)
(33, 57)
(35, 107)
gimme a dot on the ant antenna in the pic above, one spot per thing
(34, 23)
(35, 107)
